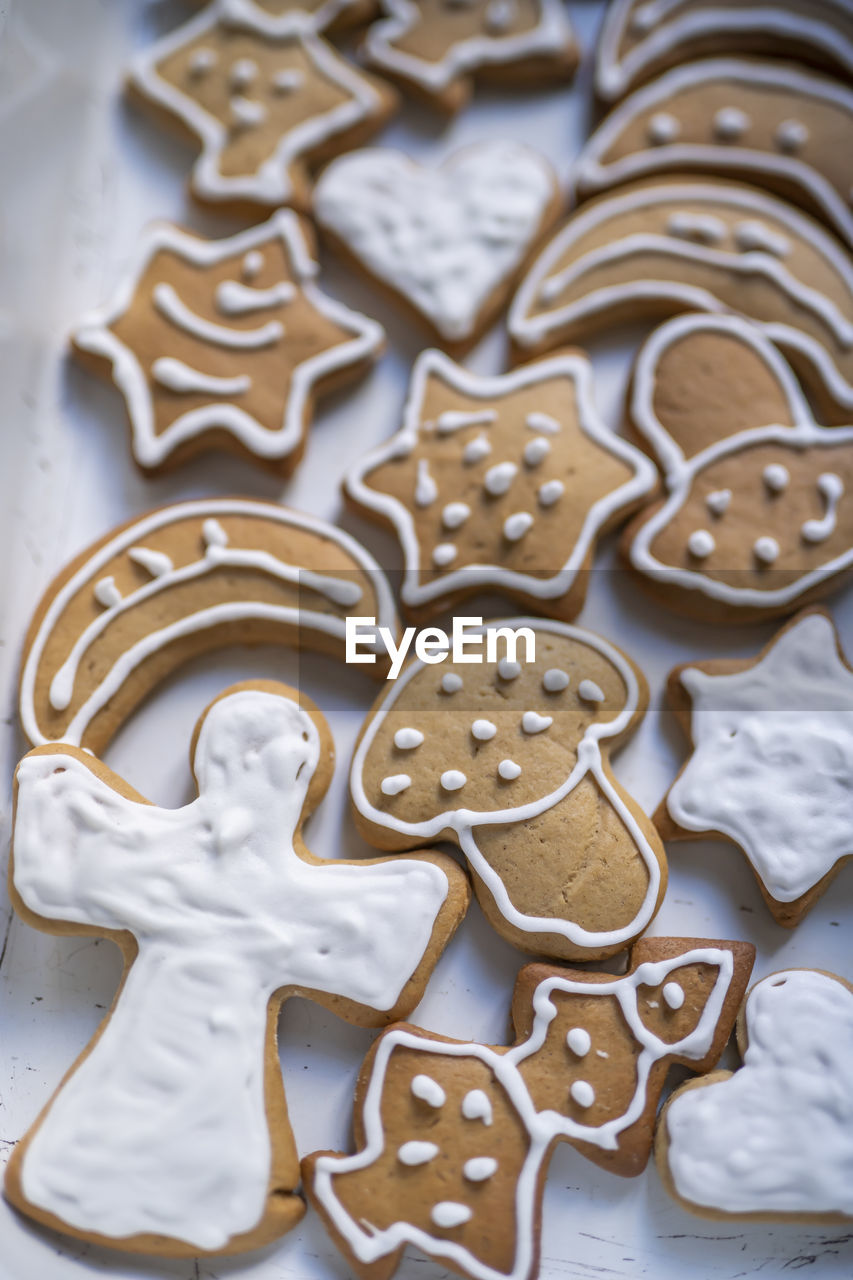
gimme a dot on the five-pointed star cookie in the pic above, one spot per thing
(772, 761)
(265, 104)
(500, 484)
(224, 344)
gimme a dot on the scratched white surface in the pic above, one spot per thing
(82, 173)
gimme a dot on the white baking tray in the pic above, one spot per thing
(80, 174)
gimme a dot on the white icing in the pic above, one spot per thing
(550, 492)
(253, 264)
(428, 1090)
(453, 779)
(476, 450)
(394, 784)
(831, 489)
(417, 1153)
(578, 1040)
(701, 543)
(509, 770)
(718, 501)
(242, 73)
(589, 691)
(483, 730)
(162, 1127)
(476, 1105)
(154, 562)
(457, 419)
(508, 669)
(107, 593)
(754, 236)
(517, 525)
(777, 1136)
(444, 554)
(426, 490)
(500, 16)
(673, 995)
(773, 757)
(532, 722)
(662, 129)
(245, 112)
(582, 1093)
(168, 302)
(555, 680)
(201, 61)
(236, 299)
(455, 514)
(536, 451)
(288, 81)
(180, 377)
(791, 136)
(498, 478)
(451, 682)
(704, 228)
(542, 422)
(776, 477)
(479, 1168)
(450, 1213)
(407, 739)
(730, 124)
(765, 550)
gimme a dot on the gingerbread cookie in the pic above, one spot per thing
(510, 759)
(500, 484)
(768, 123)
(454, 1139)
(641, 38)
(279, 17)
(654, 249)
(224, 344)
(177, 582)
(265, 103)
(758, 518)
(170, 1134)
(448, 242)
(435, 49)
(774, 1140)
(772, 759)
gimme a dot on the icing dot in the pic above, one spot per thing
(579, 1041)
(107, 593)
(242, 73)
(426, 490)
(500, 15)
(549, 492)
(498, 478)
(751, 235)
(476, 450)
(589, 691)
(508, 669)
(428, 1090)
(662, 128)
(288, 80)
(517, 525)
(449, 1213)
(701, 227)
(700, 543)
(673, 995)
(483, 730)
(453, 779)
(582, 1093)
(245, 112)
(451, 682)
(555, 680)
(454, 514)
(542, 422)
(730, 123)
(202, 61)
(394, 784)
(642, 20)
(415, 1153)
(252, 264)
(776, 477)
(408, 739)
(791, 135)
(718, 501)
(532, 722)
(536, 451)
(479, 1168)
(476, 1106)
(509, 770)
(443, 554)
(765, 549)
(213, 534)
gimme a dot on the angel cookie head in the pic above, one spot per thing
(510, 759)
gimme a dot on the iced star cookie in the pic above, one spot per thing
(224, 344)
(510, 759)
(500, 484)
(653, 249)
(641, 38)
(768, 123)
(772, 1141)
(266, 105)
(758, 517)
(170, 1134)
(435, 49)
(177, 582)
(772, 758)
(447, 242)
(454, 1139)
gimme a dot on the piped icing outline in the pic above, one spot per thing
(463, 822)
(434, 363)
(617, 74)
(680, 472)
(250, 14)
(591, 175)
(93, 334)
(128, 538)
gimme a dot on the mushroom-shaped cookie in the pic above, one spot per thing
(511, 760)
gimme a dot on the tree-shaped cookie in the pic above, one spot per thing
(170, 1134)
(774, 1140)
(224, 344)
(772, 760)
(500, 484)
(511, 760)
(265, 102)
(758, 517)
(454, 1139)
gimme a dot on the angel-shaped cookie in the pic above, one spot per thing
(510, 760)
(759, 514)
(454, 1139)
(170, 1133)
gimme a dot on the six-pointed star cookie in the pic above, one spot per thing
(772, 761)
(435, 47)
(501, 483)
(224, 343)
(265, 105)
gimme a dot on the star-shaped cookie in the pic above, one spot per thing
(265, 104)
(501, 484)
(224, 344)
(772, 761)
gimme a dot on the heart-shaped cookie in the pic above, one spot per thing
(449, 241)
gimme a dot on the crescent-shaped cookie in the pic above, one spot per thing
(776, 126)
(177, 582)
